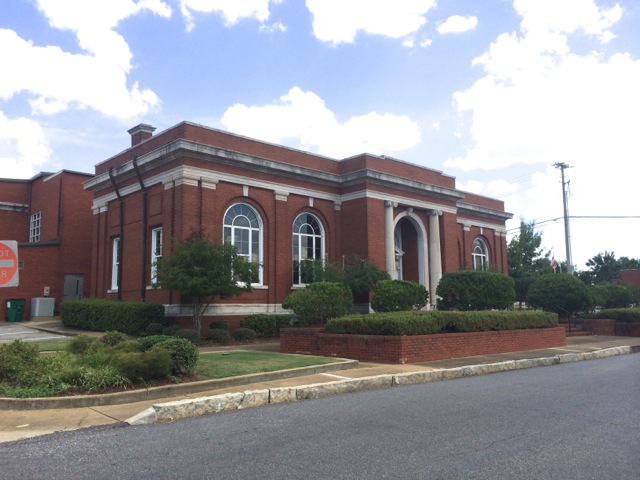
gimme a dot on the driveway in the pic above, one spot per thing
(14, 331)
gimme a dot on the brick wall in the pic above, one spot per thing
(418, 348)
(65, 237)
(605, 326)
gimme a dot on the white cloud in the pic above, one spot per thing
(53, 80)
(57, 80)
(567, 16)
(232, 11)
(457, 24)
(23, 147)
(539, 102)
(339, 21)
(304, 116)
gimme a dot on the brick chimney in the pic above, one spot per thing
(140, 133)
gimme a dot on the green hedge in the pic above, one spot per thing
(629, 315)
(430, 322)
(470, 290)
(101, 315)
(266, 325)
(398, 295)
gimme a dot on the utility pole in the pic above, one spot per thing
(565, 202)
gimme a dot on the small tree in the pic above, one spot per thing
(475, 290)
(361, 275)
(319, 302)
(203, 271)
(561, 293)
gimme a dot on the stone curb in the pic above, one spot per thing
(179, 409)
(153, 393)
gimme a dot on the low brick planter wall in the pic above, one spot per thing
(417, 348)
(605, 326)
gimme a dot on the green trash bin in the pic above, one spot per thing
(15, 306)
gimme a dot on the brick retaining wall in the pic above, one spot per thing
(417, 348)
(604, 326)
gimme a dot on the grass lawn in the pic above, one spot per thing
(52, 345)
(242, 362)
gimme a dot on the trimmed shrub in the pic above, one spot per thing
(113, 338)
(431, 322)
(188, 333)
(398, 295)
(266, 325)
(184, 354)
(627, 315)
(468, 290)
(101, 315)
(16, 358)
(244, 335)
(171, 330)
(219, 324)
(618, 296)
(561, 293)
(147, 342)
(319, 302)
(154, 328)
(218, 335)
(154, 363)
(81, 344)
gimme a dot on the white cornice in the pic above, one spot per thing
(14, 207)
(467, 222)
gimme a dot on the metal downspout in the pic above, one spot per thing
(143, 279)
(121, 242)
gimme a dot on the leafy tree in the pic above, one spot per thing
(526, 259)
(605, 268)
(561, 293)
(524, 254)
(203, 270)
(360, 275)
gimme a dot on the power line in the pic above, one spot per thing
(604, 217)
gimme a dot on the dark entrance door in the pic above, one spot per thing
(73, 287)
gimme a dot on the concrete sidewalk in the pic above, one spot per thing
(279, 387)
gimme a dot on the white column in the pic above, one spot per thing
(435, 256)
(389, 241)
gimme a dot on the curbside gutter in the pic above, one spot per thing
(179, 409)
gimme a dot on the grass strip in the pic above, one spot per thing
(242, 362)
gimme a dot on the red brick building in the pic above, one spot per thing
(50, 218)
(278, 206)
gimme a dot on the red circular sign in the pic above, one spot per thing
(8, 263)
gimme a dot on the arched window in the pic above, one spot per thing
(480, 255)
(243, 230)
(308, 245)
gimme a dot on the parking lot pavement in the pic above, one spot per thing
(14, 331)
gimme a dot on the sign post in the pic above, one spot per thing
(8, 263)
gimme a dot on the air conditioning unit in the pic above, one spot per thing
(42, 307)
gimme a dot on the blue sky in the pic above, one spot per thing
(492, 92)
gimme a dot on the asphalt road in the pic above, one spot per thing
(570, 421)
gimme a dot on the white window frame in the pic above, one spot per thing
(480, 255)
(115, 262)
(35, 225)
(297, 242)
(230, 231)
(156, 252)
